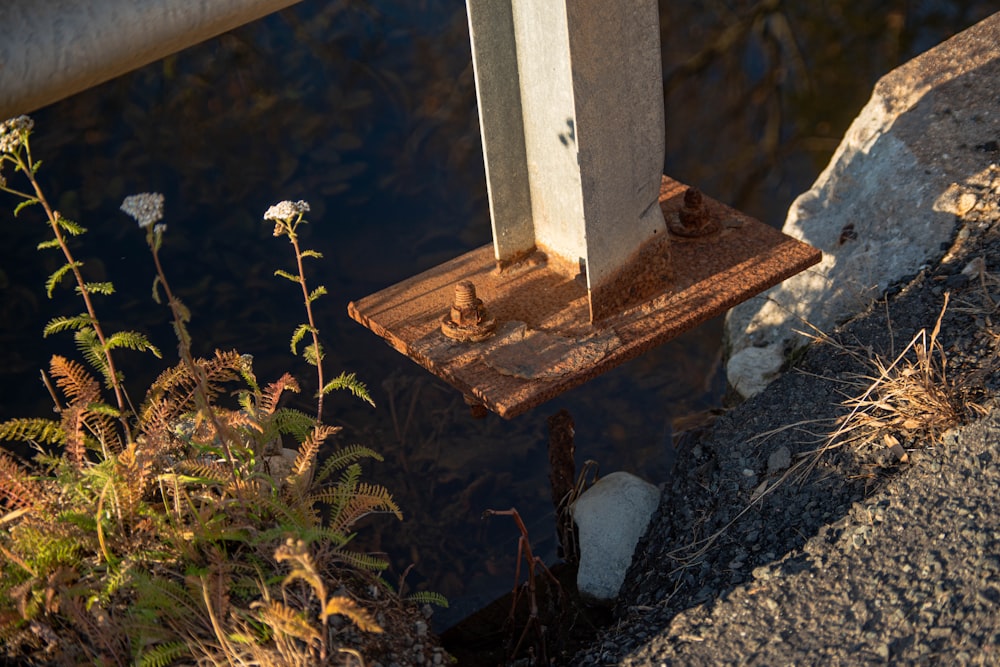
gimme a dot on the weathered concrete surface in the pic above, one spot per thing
(611, 516)
(887, 201)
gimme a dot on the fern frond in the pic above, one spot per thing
(72, 424)
(131, 340)
(345, 456)
(303, 566)
(90, 347)
(45, 245)
(361, 501)
(17, 488)
(204, 473)
(34, 429)
(70, 227)
(294, 422)
(297, 518)
(163, 654)
(287, 276)
(428, 597)
(312, 253)
(57, 276)
(345, 606)
(286, 621)
(363, 561)
(317, 293)
(57, 324)
(351, 383)
(313, 354)
(310, 448)
(78, 385)
(272, 393)
(298, 335)
(135, 468)
(25, 204)
(105, 288)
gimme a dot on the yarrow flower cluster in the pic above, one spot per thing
(286, 210)
(11, 132)
(146, 208)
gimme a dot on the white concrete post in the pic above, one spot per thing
(571, 112)
(51, 49)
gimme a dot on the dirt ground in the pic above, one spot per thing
(763, 554)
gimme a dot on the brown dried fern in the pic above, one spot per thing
(18, 490)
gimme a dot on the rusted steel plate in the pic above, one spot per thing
(545, 342)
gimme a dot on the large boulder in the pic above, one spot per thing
(610, 518)
(915, 158)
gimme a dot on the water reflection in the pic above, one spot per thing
(367, 110)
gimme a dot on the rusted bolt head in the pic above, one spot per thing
(693, 198)
(467, 319)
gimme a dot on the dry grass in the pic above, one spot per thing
(913, 397)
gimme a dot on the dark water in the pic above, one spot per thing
(367, 111)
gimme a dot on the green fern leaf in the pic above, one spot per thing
(163, 655)
(70, 227)
(294, 422)
(363, 561)
(287, 276)
(45, 431)
(105, 288)
(312, 253)
(131, 340)
(25, 204)
(103, 409)
(317, 293)
(345, 456)
(58, 275)
(313, 354)
(428, 597)
(45, 245)
(351, 383)
(90, 347)
(156, 292)
(182, 310)
(57, 324)
(300, 333)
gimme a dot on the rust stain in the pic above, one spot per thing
(545, 342)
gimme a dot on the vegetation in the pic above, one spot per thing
(181, 529)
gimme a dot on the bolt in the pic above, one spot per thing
(692, 220)
(468, 320)
(465, 295)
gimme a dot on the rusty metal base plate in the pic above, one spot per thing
(544, 342)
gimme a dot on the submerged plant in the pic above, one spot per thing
(182, 529)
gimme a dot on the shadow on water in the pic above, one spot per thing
(367, 111)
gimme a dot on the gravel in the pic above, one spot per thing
(876, 555)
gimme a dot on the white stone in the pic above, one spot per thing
(900, 178)
(610, 517)
(753, 368)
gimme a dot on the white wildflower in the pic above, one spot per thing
(159, 228)
(146, 207)
(11, 131)
(286, 210)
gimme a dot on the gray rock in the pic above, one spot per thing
(611, 516)
(779, 459)
(881, 209)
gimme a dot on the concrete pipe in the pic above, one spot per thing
(51, 49)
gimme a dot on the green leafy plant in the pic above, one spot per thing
(182, 529)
